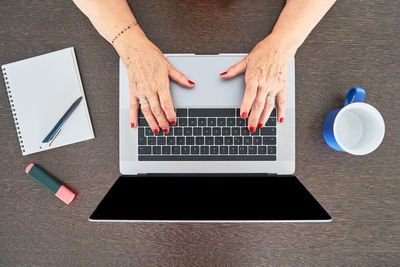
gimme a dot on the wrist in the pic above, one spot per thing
(128, 41)
(287, 38)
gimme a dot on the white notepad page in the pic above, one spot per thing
(40, 90)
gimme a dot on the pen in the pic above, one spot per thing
(57, 128)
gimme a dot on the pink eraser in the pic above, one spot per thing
(29, 167)
(65, 194)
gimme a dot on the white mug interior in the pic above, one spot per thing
(359, 128)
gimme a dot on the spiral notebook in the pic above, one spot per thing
(40, 90)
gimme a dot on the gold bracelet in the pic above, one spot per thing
(124, 30)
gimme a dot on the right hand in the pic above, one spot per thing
(149, 72)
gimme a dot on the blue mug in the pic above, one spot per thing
(357, 128)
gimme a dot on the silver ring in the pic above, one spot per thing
(271, 98)
(143, 100)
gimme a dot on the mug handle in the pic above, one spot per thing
(356, 94)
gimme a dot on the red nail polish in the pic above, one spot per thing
(259, 126)
(173, 122)
(281, 120)
(252, 129)
(244, 115)
(224, 73)
(132, 125)
(192, 83)
(165, 130)
(155, 131)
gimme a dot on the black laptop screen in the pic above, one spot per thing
(209, 198)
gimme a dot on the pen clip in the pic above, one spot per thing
(54, 137)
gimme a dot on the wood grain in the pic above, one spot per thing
(356, 44)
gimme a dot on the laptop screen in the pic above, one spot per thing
(209, 198)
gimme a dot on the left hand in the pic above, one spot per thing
(266, 69)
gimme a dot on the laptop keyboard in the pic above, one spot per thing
(208, 134)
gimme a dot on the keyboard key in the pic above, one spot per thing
(207, 131)
(268, 131)
(237, 112)
(204, 150)
(166, 150)
(216, 131)
(185, 150)
(140, 114)
(262, 149)
(271, 149)
(182, 121)
(142, 122)
(192, 121)
(238, 140)
(223, 149)
(269, 140)
(201, 121)
(235, 131)
(252, 150)
(152, 141)
(190, 140)
(194, 150)
(200, 141)
(230, 121)
(209, 140)
(221, 121)
(181, 112)
(226, 131)
(156, 149)
(271, 122)
(257, 140)
(187, 131)
(228, 140)
(214, 150)
(240, 122)
(273, 113)
(215, 112)
(170, 132)
(247, 141)
(176, 150)
(208, 158)
(242, 149)
(196, 131)
(148, 132)
(142, 140)
(161, 141)
(144, 150)
(171, 141)
(178, 131)
(219, 140)
(180, 140)
(211, 122)
(256, 132)
(233, 150)
(245, 131)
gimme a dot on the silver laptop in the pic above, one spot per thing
(208, 160)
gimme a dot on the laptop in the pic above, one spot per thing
(209, 167)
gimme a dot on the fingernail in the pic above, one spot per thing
(132, 125)
(173, 122)
(165, 130)
(224, 73)
(192, 83)
(259, 126)
(281, 120)
(252, 129)
(155, 131)
(244, 115)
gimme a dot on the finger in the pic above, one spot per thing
(234, 70)
(179, 77)
(248, 98)
(167, 104)
(269, 106)
(281, 105)
(133, 111)
(146, 110)
(257, 108)
(158, 113)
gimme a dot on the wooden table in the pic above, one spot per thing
(356, 44)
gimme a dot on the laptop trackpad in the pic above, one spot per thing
(210, 89)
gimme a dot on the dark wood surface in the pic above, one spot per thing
(356, 44)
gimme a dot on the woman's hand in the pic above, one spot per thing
(266, 69)
(149, 72)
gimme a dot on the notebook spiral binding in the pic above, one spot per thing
(14, 113)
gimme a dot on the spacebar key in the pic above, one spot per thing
(208, 158)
